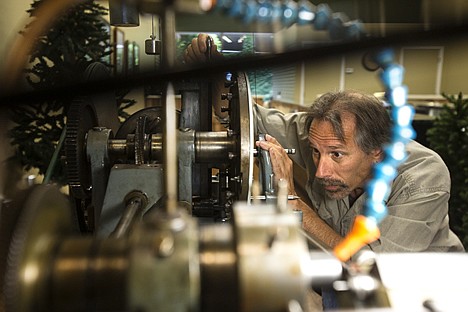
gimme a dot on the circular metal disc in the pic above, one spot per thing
(242, 125)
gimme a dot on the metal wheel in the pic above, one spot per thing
(242, 126)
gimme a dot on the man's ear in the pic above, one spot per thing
(377, 155)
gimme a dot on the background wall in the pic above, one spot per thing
(431, 67)
(13, 18)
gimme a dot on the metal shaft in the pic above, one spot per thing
(170, 150)
(210, 147)
(132, 213)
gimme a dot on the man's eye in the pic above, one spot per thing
(315, 151)
(336, 154)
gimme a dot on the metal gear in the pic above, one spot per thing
(81, 118)
(153, 124)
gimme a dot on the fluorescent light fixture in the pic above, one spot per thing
(226, 38)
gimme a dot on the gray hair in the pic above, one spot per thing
(373, 124)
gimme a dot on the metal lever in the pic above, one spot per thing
(263, 197)
(209, 45)
(266, 174)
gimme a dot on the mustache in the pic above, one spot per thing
(330, 182)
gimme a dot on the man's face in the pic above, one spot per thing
(342, 167)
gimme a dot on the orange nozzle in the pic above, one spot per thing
(364, 231)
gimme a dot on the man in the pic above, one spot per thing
(337, 142)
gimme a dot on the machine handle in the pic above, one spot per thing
(209, 45)
(266, 174)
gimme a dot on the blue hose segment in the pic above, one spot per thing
(305, 13)
(322, 16)
(250, 11)
(290, 13)
(265, 11)
(402, 114)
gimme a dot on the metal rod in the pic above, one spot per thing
(170, 150)
(263, 197)
(168, 38)
(53, 161)
(132, 212)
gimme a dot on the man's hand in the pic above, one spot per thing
(196, 51)
(283, 169)
(280, 161)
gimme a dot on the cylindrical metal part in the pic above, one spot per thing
(89, 275)
(118, 147)
(181, 6)
(123, 13)
(156, 153)
(210, 147)
(134, 207)
(165, 275)
(218, 268)
(168, 55)
(325, 268)
(214, 147)
(273, 258)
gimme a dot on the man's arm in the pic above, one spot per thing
(196, 54)
(313, 224)
(283, 169)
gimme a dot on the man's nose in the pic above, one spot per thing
(324, 168)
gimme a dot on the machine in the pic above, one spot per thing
(164, 215)
(214, 168)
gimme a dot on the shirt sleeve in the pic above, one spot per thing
(289, 129)
(412, 226)
(417, 217)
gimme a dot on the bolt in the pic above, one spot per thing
(231, 133)
(237, 179)
(164, 245)
(226, 96)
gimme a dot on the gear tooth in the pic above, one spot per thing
(81, 117)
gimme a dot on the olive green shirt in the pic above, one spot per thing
(417, 206)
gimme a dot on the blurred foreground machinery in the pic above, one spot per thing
(167, 263)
